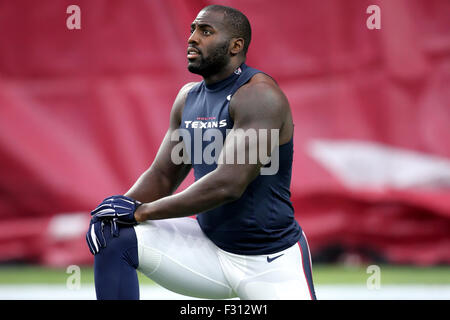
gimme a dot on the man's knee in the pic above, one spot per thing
(122, 247)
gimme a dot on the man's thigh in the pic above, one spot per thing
(177, 255)
(284, 275)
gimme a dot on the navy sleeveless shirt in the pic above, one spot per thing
(262, 220)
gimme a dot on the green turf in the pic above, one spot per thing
(35, 275)
(323, 274)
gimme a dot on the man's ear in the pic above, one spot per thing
(237, 45)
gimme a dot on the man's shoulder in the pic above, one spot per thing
(261, 89)
(185, 89)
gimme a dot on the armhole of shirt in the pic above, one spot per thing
(193, 89)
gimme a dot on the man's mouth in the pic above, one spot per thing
(193, 53)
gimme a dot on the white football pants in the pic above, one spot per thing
(177, 255)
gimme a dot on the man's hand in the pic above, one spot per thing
(114, 210)
(117, 208)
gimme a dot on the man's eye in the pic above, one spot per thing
(207, 32)
(192, 31)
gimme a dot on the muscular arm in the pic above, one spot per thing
(258, 105)
(163, 177)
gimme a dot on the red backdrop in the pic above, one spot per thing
(82, 113)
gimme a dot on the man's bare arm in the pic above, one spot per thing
(163, 177)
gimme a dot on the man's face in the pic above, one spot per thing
(208, 45)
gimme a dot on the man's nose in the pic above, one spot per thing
(193, 38)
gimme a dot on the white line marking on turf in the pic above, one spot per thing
(155, 292)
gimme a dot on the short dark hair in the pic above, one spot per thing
(237, 23)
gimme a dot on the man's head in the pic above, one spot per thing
(219, 34)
